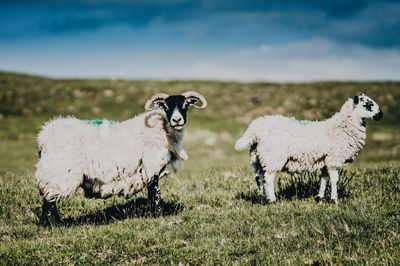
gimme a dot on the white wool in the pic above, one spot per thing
(118, 158)
(284, 143)
(279, 143)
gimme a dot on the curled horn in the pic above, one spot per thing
(152, 103)
(195, 97)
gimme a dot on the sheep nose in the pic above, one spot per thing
(378, 116)
(177, 120)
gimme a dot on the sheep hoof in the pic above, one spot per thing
(263, 200)
(318, 199)
(266, 201)
(333, 201)
(49, 221)
(50, 216)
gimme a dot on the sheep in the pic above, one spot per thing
(113, 158)
(279, 143)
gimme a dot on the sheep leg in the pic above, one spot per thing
(154, 196)
(261, 185)
(258, 170)
(267, 186)
(50, 215)
(322, 188)
(334, 177)
(269, 182)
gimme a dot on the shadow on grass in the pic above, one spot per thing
(133, 208)
(299, 186)
(251, 196)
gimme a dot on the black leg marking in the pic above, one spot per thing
(258, 171)
(258, 181)
(50, 215)
(318, 199)
(154, 196)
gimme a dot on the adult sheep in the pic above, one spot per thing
(119, 158)
(279, 143)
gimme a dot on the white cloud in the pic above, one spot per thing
(297, 61)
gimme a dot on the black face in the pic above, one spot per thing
(176, 107)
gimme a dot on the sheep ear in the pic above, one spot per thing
(155, 101)
(355, 99)
(194, 98)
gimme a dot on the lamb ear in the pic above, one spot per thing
(155, 101)
(355, 99)
(193, 98)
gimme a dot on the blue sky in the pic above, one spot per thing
(223, 39)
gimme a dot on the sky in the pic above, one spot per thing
(241, 40)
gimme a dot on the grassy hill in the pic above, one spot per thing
(213, 215)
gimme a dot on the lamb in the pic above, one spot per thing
(119, 158)
(279, 143)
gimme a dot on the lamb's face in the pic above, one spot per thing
(176, 106)
(365, 107)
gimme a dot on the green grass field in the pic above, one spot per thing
(212, 212)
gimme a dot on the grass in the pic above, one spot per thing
(213, 215)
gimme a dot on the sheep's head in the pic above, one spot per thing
(176, 106)
(365, 107)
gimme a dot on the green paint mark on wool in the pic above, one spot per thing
(99, 122)
(302, 122)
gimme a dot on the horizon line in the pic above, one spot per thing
(126, 78)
